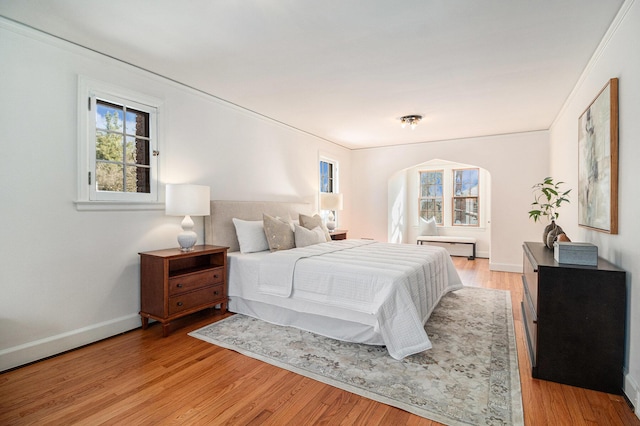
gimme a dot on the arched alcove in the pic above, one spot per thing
(403, 193)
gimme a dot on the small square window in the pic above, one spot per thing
(118, 145)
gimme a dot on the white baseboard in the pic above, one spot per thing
(632, 391)
(39, 349)
(505, 267)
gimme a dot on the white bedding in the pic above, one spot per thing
(382, 293)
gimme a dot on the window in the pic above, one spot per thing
(328, 183)
(457, 189)
(465, 197)
(119, 147)
(327, 176)
(122, 149)
(430, 202)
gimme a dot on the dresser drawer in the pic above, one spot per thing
(530, 321)
(530, 281)
(196, 280)
(531, 331)
(186, 301)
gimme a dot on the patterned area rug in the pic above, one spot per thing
(469, 377)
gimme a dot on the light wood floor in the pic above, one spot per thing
(141, 378)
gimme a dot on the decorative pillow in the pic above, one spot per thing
(306, 237)
(250, 235)
(278, 232)
(311, 222)
(428, 227)
(287, 220)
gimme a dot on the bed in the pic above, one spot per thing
(359, 291)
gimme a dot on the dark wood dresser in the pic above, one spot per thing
(174, 284)
(574, 320)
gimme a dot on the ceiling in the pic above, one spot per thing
(347, 70)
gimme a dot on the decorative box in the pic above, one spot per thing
(575, 253)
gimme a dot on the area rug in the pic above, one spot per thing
(469, 377)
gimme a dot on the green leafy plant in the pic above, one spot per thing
(548, 197)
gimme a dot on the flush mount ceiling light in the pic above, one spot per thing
(411, 120)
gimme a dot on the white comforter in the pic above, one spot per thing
(400, 284)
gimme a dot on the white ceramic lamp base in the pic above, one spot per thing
(187, 238)
(331, 224)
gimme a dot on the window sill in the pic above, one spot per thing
(117, 205)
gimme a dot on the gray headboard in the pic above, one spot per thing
(218, 226)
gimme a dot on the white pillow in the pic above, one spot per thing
(250, 235)
(311, 222)
(428, 227)
(306, 237)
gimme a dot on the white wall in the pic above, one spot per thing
(515, 162)
(70, 277)
(618, 56)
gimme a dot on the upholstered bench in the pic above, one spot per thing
(449, 240)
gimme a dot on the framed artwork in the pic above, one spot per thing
(598, 162)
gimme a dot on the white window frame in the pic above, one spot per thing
(335, 185)
(334, 178)
(455, 197)
(88, 197)
(441, 199)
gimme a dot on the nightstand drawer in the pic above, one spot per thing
(338, 234)
(194, 299)
(188, 282)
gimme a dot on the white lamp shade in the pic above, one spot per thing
(330, 201)
(183, 200)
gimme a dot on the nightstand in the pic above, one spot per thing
(339, 234)
(174, 284)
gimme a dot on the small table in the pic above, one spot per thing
(338, 234)
(175, 283)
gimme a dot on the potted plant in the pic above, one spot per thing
(548, 197)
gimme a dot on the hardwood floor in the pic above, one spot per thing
(141, 378)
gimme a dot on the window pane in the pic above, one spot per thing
(465, 211)
(466, 182)
(143, 179)
(108, 146)
(431, 195)
(324, 184)
(431, 208)
(130, 157)
(137, 123)
(138, 179)
(431, 184)
(109, 177)
(326, 177)
(108, 116)
(137, 151)
(142, 152)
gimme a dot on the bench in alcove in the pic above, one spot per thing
(425, 239)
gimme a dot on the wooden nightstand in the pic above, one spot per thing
(175, 283)
(339, 234)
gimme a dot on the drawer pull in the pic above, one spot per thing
(216, 276)
(179, 303)
(179, 285)
(216, 293)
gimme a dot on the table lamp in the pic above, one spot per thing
(187, 200)
(331, 201)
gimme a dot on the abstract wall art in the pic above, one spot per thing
(598, 162)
